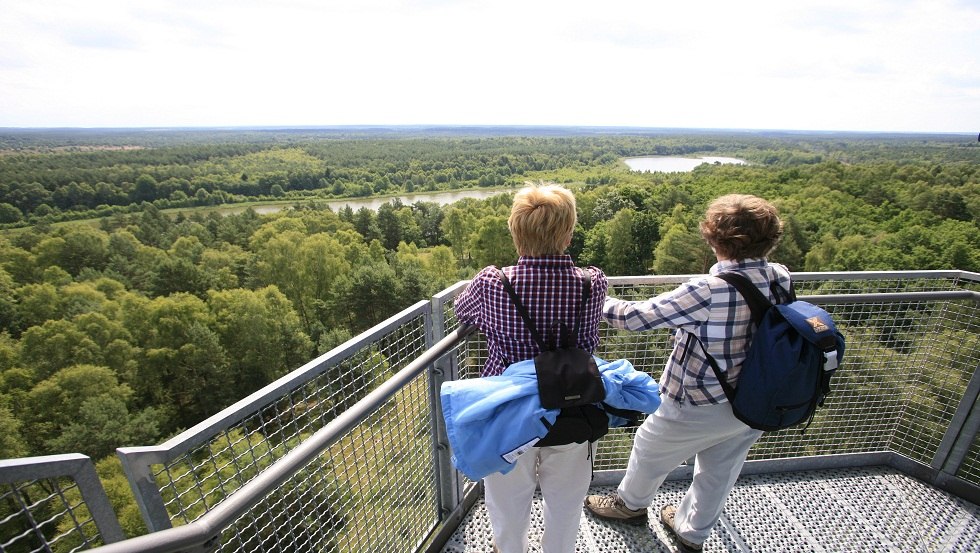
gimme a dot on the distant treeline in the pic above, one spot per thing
(70, 174)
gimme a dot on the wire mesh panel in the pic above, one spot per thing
(906, 366)
(373, 490)
(45, 515)
(198, 479)
(53, 504)
(942, 361)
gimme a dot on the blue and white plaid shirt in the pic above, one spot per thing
(715, 313)
(551, 289)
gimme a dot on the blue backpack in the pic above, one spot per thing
(794, 351)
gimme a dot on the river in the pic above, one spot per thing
(663, 164)
(642, 164)
(441, 198)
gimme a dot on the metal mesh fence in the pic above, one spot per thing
(45, 515)
(197, 480)
(905, 369)
(373, 490)
(941, 362)
(908, 364)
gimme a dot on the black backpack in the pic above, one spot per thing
(794, 351)
(567, 375)
(568, 378)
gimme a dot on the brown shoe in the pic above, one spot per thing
(667, 517)
(611, 507)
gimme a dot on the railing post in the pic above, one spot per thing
(98, 502)
(962, 430)
(137, 462)
(448, 481)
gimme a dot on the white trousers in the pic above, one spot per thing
(564, 473)
(719, 443)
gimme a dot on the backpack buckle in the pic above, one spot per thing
(830, 360)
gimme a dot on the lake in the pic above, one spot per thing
(663, 164)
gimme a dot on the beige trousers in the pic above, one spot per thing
(564, 473)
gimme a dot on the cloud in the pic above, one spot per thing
(100, 38)
(708, 64)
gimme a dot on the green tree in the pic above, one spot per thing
(594, 247)
(18, 262)
(366, 224)
(368, 296)
(491, 242)
(83, 396)
(389, 225)
(176, 274)
(456, 226)
(790, 249)
(144, 189)
(625, 253)
(442, 266)
(263, 331)
(9, 213)
(682, 252)
(104, 423)
(35, 304)
(12, 444)
(55, 345)
(183, 368)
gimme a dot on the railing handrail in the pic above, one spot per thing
(210, 524)
(892, 297)
(808, 276)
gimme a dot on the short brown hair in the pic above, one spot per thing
(542, 219)
(741, 226)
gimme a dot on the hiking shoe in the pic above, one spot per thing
(667, 517)
(612, 507)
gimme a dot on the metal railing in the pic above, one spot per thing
(55, 502)
(348, 452)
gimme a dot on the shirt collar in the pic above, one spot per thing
(733, 265)
(563, 260)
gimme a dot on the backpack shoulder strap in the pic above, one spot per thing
(569, 341)
(757, 302)
(521, 309)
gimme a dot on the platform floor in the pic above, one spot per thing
(867, 509)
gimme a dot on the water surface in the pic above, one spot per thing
(665, 164)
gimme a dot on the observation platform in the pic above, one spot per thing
(861, 509)
(348, 452)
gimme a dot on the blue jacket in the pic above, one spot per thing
(490, 421)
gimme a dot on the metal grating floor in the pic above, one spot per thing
(862, 509)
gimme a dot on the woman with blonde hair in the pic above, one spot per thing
(550, 286)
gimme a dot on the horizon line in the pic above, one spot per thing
(420, 126)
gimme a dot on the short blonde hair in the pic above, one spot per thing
(741, 226)
(542, 219)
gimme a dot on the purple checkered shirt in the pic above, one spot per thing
(551, 289)
(715, 313)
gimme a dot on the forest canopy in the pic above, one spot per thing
(125, 319)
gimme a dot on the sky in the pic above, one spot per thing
(832, 65)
